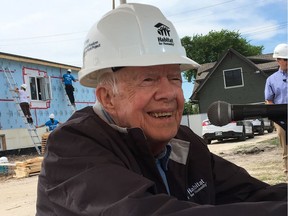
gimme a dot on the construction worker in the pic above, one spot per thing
(128, 154)
(276, 93)
(67, 79)
(52, 123)
(24, 102)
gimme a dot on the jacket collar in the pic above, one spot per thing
(180, 148)
(98, 109)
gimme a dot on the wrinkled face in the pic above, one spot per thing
(150, 98)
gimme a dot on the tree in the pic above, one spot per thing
(190, 109)
(208, 48)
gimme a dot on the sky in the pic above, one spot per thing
(55, 30)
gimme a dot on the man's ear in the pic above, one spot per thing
(105, 97)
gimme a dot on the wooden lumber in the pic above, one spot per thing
(28, 167)
(44, 141)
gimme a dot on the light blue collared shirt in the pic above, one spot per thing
(276, 87)
(162, 164)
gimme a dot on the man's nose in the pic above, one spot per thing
(166, 89)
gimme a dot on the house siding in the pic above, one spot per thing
(251, 92)
(12, 125)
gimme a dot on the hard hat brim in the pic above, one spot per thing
(89, 76)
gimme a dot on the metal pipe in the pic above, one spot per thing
(121, 2)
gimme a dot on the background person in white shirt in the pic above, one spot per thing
(25, 102)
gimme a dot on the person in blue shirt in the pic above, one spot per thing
(52, 123)
(67, 79)
(276, 92)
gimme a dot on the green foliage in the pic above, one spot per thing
(190, 109)
(208, 48)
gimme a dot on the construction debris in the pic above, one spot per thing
(5, 166)
(6, 169)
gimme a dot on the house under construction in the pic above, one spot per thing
(47, 94)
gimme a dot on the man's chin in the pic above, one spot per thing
(160, 139)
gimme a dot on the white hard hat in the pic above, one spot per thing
(69, 70)
(51, 116)
(281, 51)
(3, 160)
(131, 35)
(24, 86)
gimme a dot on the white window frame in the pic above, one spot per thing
(236, 86)
(42, 83)
(43, 88)
(3, 142)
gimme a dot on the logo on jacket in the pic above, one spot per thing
(195, 188)
(164, 31)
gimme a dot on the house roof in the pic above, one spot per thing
(263, 57)
(268, 66)
(36, 61)
(264, 63)
(202, 75)
(205, 67)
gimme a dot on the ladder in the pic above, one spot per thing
(30, 127)
(68, 100)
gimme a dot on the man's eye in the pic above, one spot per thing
(176, 79)
(148, 80)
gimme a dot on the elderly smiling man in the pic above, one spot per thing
(128, 154)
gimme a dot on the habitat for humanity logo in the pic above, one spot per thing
(164, 31)
(195, 188)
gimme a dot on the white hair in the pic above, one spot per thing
(109, 79)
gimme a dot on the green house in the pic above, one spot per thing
(234, 78)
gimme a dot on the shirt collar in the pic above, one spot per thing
(284, 73)
(163, 157)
